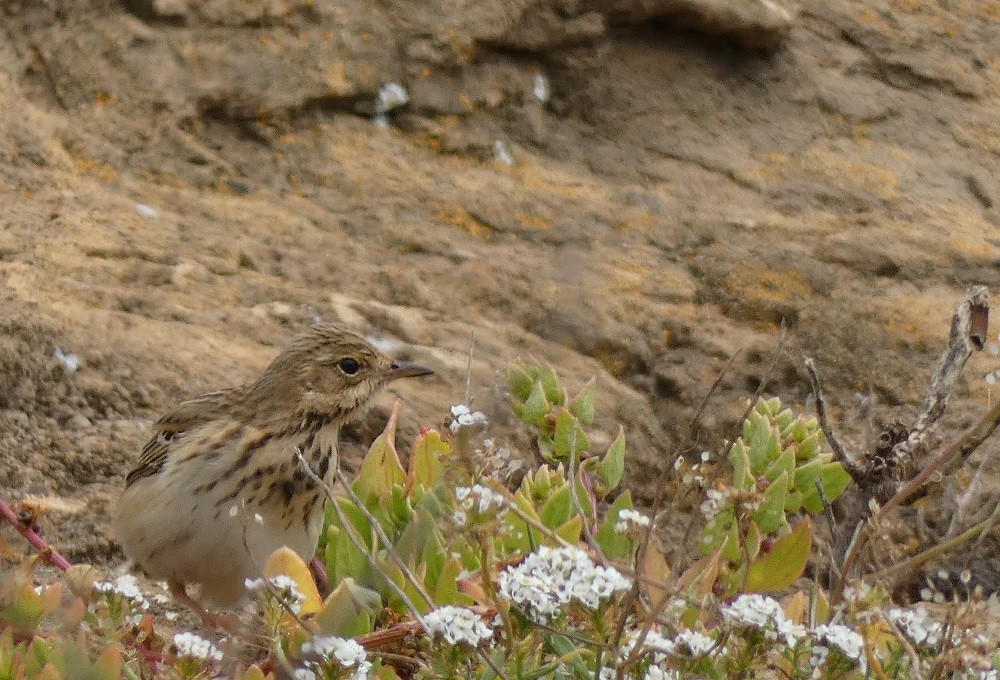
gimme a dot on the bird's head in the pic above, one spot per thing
(329, 373)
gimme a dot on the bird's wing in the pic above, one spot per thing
(186, 416)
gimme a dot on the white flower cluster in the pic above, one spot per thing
(550, 578)
(714, 500)
(480, 497)
(347, 653)
(465, 418)
(628, 518)
(196, 647)
(687, 643)
(124, 586)
(457, 624)
(917, 625)
(477, 497)
(849, 642)
(499, 462)
(286, 588)
(763, 613)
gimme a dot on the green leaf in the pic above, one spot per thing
(446, 591)
(416, 535)
(784, 419)
(763, 443)
(612, 466)
(571, 529)
(615, 545)
(834, 479)
(343, 560)
(381, 469)
(520, 379)
(739, 458)
(536, 406)
(784, 463)
(809, 447)
(771, 513)
(571, 655)
(583, 406)
(349, 610)
(557, 509)
(785, 562)
(426, 466)
(553, 392)
(563, 445)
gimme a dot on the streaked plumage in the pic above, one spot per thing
(218, 487)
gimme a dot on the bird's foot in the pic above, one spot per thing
(211, 620)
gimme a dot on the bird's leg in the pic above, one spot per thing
(226, 623)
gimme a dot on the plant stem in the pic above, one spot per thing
(49, 554)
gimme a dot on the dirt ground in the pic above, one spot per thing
(624, 188)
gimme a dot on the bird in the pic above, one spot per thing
(220, 484)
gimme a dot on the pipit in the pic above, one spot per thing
(220, 486)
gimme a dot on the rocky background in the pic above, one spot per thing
(632, 189)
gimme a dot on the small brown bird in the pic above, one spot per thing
(219, 487)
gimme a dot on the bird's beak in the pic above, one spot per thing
(404, 369)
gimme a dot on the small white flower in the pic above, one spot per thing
(457, 624)
(848, 641)
(459, 518)
(233, 511)
(124, 586)
(478, 497)
(464, 417)
(347, 653)
(628, 518)
(763, 613)
(196, 647)
(258, 519)
(697, 643)
(550, 578)
(917, 625)
(253, 583)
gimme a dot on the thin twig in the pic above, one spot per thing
(356, 540)
(902, 569)
(49, 554)
(959, 349)
(960, 346)
(390, 549)
(846, 459)
(661, 493)
(574, 496)
(468, 369)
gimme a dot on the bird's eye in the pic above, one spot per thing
(349, 366)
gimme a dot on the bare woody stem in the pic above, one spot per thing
(967, 333)
(49, 554)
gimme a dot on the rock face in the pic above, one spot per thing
(628, 189)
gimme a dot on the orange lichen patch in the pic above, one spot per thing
(908, 5)
(844, 171)
(642, 223)
(102, 171)
(457, 216)
(776, 157)
(532, 221)
(764, 284)
(102, 98)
